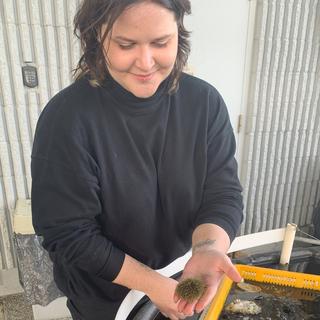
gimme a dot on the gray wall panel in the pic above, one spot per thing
(281, 158)
(37, 33)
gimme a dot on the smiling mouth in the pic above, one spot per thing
(144, 77)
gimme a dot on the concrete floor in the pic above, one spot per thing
(15, 307)
(13, 302)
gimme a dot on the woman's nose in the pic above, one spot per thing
(145, 60)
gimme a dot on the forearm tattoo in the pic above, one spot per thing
(202, 244)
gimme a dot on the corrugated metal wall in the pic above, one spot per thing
(281, 163)
(280, 168)
(37, 33)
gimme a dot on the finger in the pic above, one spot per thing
(189, 309)
(181, 305)
(205, 299)
(231, 271)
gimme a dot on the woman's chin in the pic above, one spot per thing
(144, 92)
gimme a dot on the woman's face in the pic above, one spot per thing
(142, 48)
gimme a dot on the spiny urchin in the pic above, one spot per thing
(190, 289)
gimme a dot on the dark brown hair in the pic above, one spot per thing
(89, 19)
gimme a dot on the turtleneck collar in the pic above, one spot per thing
(127, 100)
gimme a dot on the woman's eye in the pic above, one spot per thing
(126, 46)
(160, 44)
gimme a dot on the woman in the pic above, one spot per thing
(133, 164)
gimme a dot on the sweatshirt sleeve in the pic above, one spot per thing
(222, 200)
(65, 196)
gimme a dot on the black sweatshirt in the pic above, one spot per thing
(115, 174)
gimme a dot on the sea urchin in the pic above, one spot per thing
(190, 289)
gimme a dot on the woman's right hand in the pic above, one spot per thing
(161, 293)
(160, 289)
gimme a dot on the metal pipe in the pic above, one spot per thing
(307, 240)
(288, 243)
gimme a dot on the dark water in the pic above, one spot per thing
(277, 302)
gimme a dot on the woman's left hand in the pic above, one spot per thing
(208, 265)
